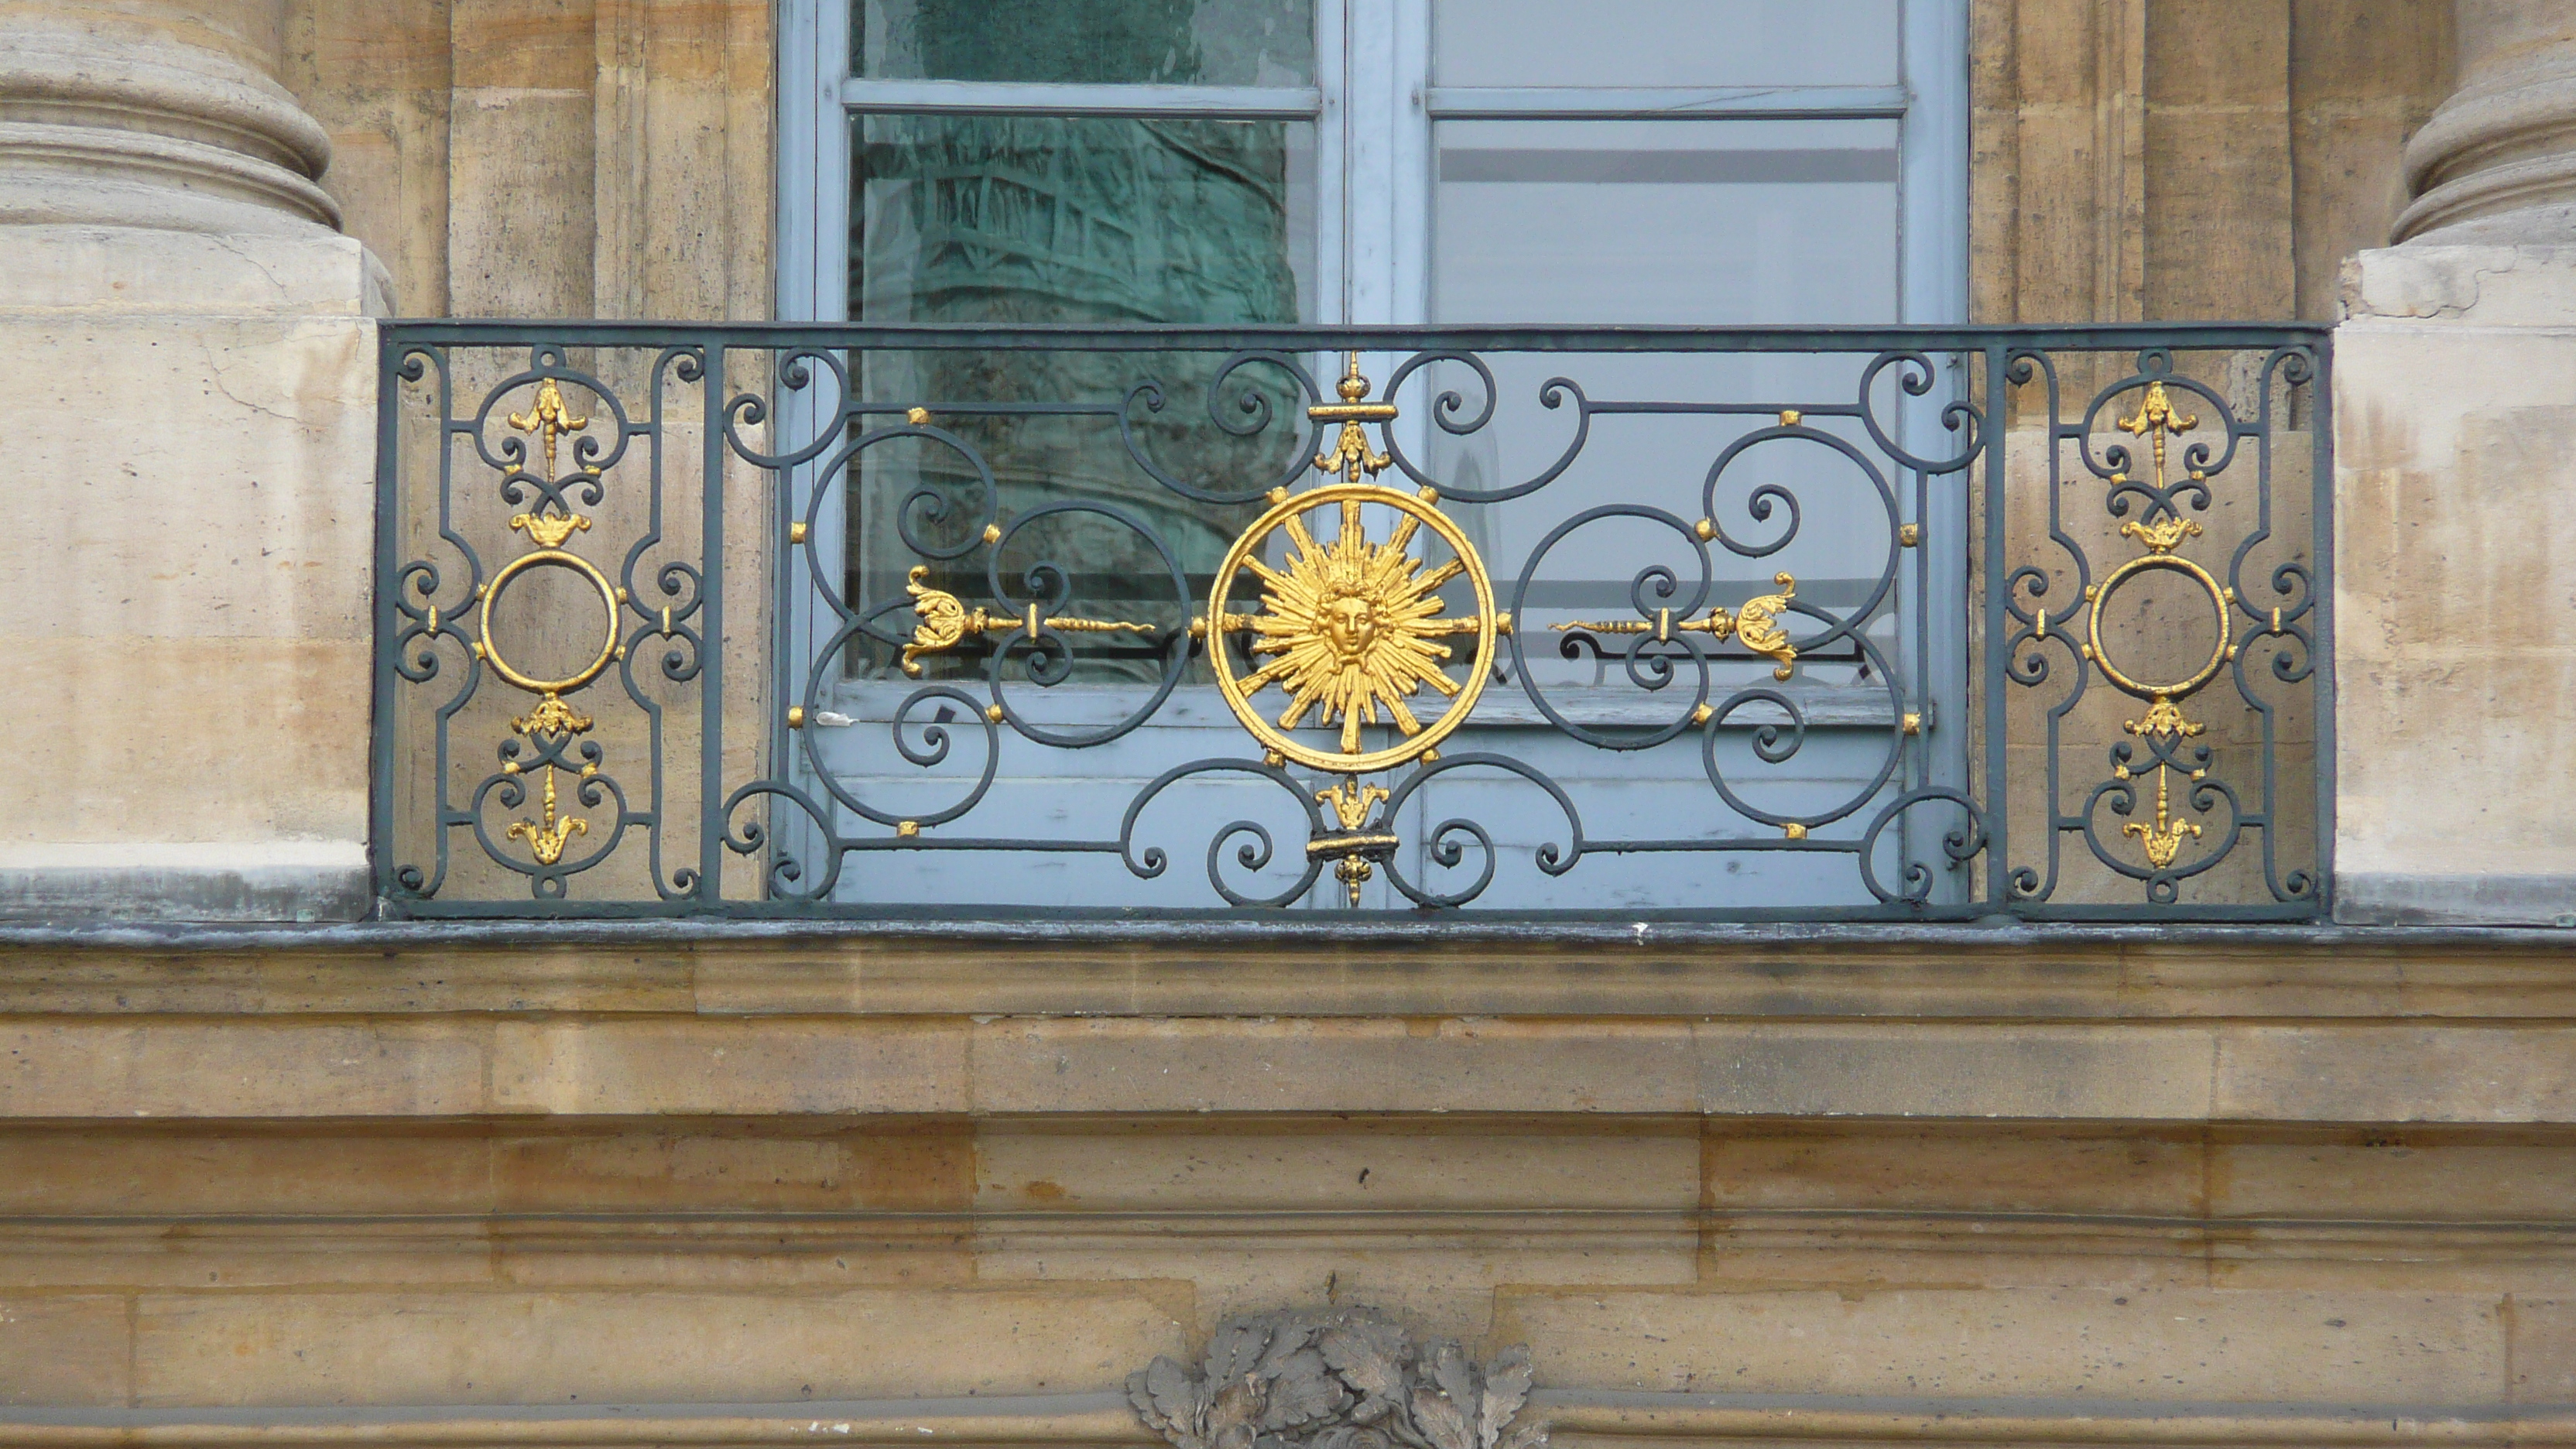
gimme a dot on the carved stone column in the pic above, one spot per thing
(2496, 165)
(187, 385)
(2455, 454)
(162, 114)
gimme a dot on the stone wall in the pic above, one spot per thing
(2246, 1190)
(2133, 159)
(571, 158)
(2188, 160)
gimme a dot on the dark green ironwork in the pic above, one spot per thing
(776, 425)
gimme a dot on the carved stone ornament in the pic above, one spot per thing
(1344, 1379)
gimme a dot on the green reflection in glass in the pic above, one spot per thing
(1029, 219)
(1092, 42)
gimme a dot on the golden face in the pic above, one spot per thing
(1350, 625)
(1352, 630)
(1354, 627)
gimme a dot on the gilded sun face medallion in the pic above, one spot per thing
(1354, 630)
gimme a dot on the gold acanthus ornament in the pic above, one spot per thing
(548, 527)
(1353, 850)
(2156, 416)
(2162, 840)
(1756, 626)
(550, 419)
(2162, 537)
(549, 530)
(2164, 724)
(546, 842)
(946, 622)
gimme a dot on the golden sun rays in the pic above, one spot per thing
(1352, 628)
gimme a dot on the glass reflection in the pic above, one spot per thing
(1020, 219)
(1088, 42)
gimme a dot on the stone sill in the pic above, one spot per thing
(1305, 969)
(1216, 930)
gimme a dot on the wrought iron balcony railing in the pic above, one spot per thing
(1859, 623)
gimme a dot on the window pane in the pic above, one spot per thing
(1666, 221)
(1665, 43)
(1709, 222)
(1022, 219)
(1096, 42)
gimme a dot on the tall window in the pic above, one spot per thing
(1347, 161)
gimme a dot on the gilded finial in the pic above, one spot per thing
(1350, 455)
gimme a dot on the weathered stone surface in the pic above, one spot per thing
(574, 1067)
(504, 1348)
(1753, 1166)
(1302, 1164)
(2494, 164)
(69, 1068)
(1376, 1065)
(626, 1068)
(2087, 1343)
(63, 1350)
(2413, 1075)
(192, 626)
(2456, 426)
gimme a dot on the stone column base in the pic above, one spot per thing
(2455, 568)
(191, 420)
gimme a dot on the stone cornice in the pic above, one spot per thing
(1253, 969)
(1105, 1419)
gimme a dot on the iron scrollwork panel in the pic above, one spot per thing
(1416, 703)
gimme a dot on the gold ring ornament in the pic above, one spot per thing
(2220, 597)
(1350, 629)
(556, 558)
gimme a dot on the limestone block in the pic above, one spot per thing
(535, 1348)
(63, 1350)
(1444, 1282)
(2104, 1072)
(2218, 219)
(73, 1068)
(1366, 1165)
(762, 1166)
(405, 1065)
(2364, 74)
(624, 1067)
(2412, 1074)
(2544, 1350)
(519, 217)
(141, 1169)
(1423, 1218)
(376, 77)
(100, 269)
(2420, 1175)
(1890, 1168)
(2097, 1344)
(191, 566)
(1373, 1065)
(2455, 452)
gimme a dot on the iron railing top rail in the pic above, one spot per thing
(1503, 337)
